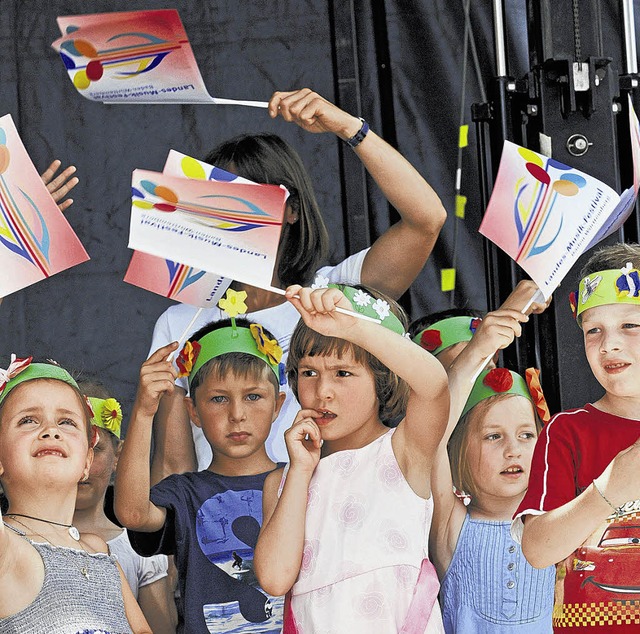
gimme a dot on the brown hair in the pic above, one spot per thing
(268, 159)
(95, 389)
(392, 392)
(461, 472)
(614, 256)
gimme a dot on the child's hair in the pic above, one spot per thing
(71, 383)
(268, 159)
(422, 323)
(392, 392)
(95, 389)
(614, 256)
(461, 471)
(239, 363)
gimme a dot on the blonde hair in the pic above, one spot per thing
(461, 471)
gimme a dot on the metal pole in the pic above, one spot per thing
(629, 37)
(498, 31)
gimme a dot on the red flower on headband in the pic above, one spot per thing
(532, 377)
(15, 367)
(573, 302)
(499, 380)
(188, 357)
(430, 340)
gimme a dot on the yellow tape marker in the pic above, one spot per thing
(463, 139)
(447, 280)
(461, 203)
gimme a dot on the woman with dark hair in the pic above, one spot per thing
(389, 265)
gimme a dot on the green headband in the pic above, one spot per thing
(613, 286)
(22, 370)
(496, 381)
(107, 414)
(365, 304)
(447, 332)
(250, 340)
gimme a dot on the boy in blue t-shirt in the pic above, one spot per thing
(209, 520)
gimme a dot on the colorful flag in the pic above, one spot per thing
(228, 228)
(133, 57)
(36, 241)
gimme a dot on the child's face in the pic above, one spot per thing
(612, 345)
(104, 462)
(342, 389)
(235, 412)
(43, 434)
(500, 446)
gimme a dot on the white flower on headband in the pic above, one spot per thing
(382, 308)
(361, 298)
(320, 282)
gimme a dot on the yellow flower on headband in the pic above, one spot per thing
(268, 347)
(233, 303)
(111, 415)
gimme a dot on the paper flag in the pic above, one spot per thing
(228, 228)
(172, 279)
(36, 241)
(133, 57)
(545, 214)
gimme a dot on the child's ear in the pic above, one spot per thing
(117, 452)
(279, 403)
(87, 464)
(193, 412)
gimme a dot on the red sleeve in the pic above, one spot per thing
(552, 480)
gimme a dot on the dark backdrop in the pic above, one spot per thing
(407, 56)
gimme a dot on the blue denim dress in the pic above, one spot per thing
(490, 587)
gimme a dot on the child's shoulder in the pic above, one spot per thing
(93, 543)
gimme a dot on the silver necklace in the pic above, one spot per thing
(84, 570)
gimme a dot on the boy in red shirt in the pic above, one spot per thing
(582, 507)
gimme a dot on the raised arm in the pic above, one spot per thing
(278, 554)
(132, 504)
(397, 256)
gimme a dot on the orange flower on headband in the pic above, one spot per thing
(268, 347)
(499, 380)
(15, 367)
(532, 377)
(187, 357)
(430, 340)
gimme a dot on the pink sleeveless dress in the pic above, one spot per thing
(364, 565)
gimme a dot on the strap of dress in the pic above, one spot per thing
(424, 598)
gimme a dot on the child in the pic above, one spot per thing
(147, 576)
(581, 509)
(390, 265)
(348, 536)
(487, 586)
(445, 334)
(53, 578)
(210, 519)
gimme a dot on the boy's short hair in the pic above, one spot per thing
(392, 391)
(238, 363)
(92, 388)
(614, 256)
(461, 473)
(422, 323)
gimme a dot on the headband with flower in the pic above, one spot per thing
(447, 332)
(22, 370)
(252, 340)
(107, 414)
(613, 286)
(503, 381)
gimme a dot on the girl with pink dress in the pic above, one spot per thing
(345, 529)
